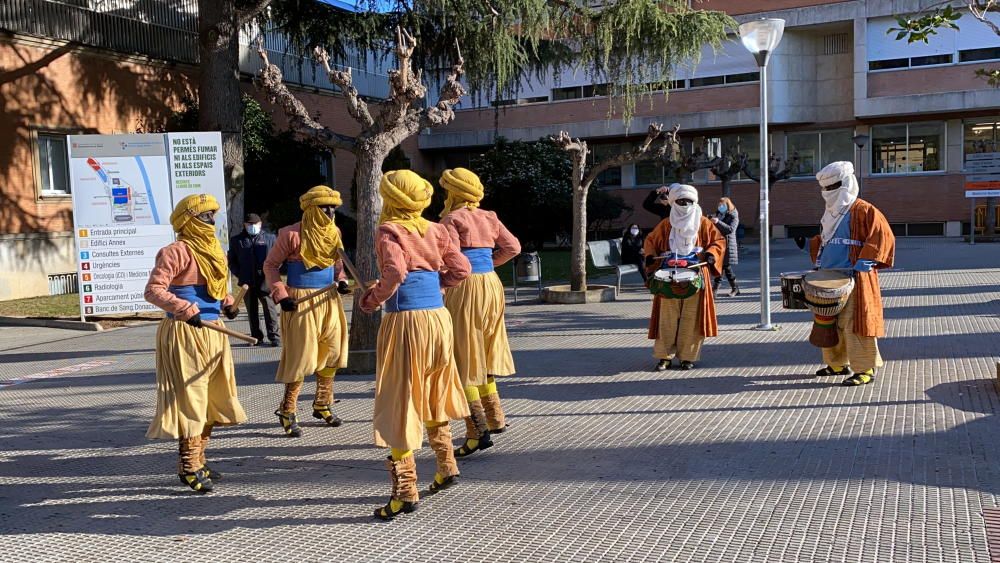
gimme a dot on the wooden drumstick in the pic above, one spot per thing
(316, 293)
(239, 296)
(227, 332)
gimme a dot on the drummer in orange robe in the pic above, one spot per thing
(680, 326)
(856, 236)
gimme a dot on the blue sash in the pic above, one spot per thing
(198, 294)
(420, 290)
(313, 278)
(480, 258)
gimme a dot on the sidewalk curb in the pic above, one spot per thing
(51, 323)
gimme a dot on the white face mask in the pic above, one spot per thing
(634, 231)
(253, 229)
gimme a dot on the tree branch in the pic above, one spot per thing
(658, 144)
(343, 79)
(298, 118)
(980, 9)
(451, 93)
(247, 14)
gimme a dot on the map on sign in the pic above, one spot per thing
(121, 190)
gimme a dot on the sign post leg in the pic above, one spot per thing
(972, 222)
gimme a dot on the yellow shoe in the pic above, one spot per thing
(863, 378)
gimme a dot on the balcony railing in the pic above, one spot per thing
(162, 29)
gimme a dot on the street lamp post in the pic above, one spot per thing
(860, 141)
(761, 37)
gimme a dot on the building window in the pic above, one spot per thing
(816, 150)
(326, 170)
(982, 136)
(612, 177)
(888, 64)
(649, 173)
(731, 144)
(708, 81)
(907, 149)
(743, 77)
(53, 164)
(594, 90)
(569, 93)
(971, 55)
(931, 60)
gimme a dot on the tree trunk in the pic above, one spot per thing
(364, 328)
(578, 269)
(219, 107)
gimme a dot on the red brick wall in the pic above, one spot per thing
(596, 109)
(924, 81)
(48, 88)
(736, 7)
(912, 199)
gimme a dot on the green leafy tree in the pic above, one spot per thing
(528, 186)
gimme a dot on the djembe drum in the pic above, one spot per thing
(826, 294)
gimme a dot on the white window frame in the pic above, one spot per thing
(943, 150)
(37, 134)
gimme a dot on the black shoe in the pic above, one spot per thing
(484, 442)
(863, 378)
(210, 473)
(386, 513)
(290, 423)
(662, 365)
(734, 292)
(827, 371)
(326, 415)
(446, 483)
(686, 365)
(198, 481)
(260, 340)
(276, 343)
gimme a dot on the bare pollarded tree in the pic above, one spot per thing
(384, 125)
(658, 145)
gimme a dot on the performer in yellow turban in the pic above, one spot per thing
(314, 333)
(477, 305)
(195, 379)
(416, 382)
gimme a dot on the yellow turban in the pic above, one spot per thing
(463, 187)
(201, 240)
(319, 235)
(405, 195)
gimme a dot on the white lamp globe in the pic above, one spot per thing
(763, 35)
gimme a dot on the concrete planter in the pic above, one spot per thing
(562, 294)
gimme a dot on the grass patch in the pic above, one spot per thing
(555, 268)
(54, 306)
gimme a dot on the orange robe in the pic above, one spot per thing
(709, 238)
(869, 226)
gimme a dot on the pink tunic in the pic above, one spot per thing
(175, 265)
(478, 228)
(400, 252)
(286, 249)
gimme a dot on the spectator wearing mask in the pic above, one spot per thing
(657, 202)
(247, 252)
(727, 220)
(632, 240)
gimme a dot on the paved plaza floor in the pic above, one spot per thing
(747, 458)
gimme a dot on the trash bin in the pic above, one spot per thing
(527, 269)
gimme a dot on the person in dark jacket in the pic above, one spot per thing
(656, 202)
(247, 252)
(727, 220)
(632, 240)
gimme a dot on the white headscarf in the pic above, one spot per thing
(838, 201)
(684, 220)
